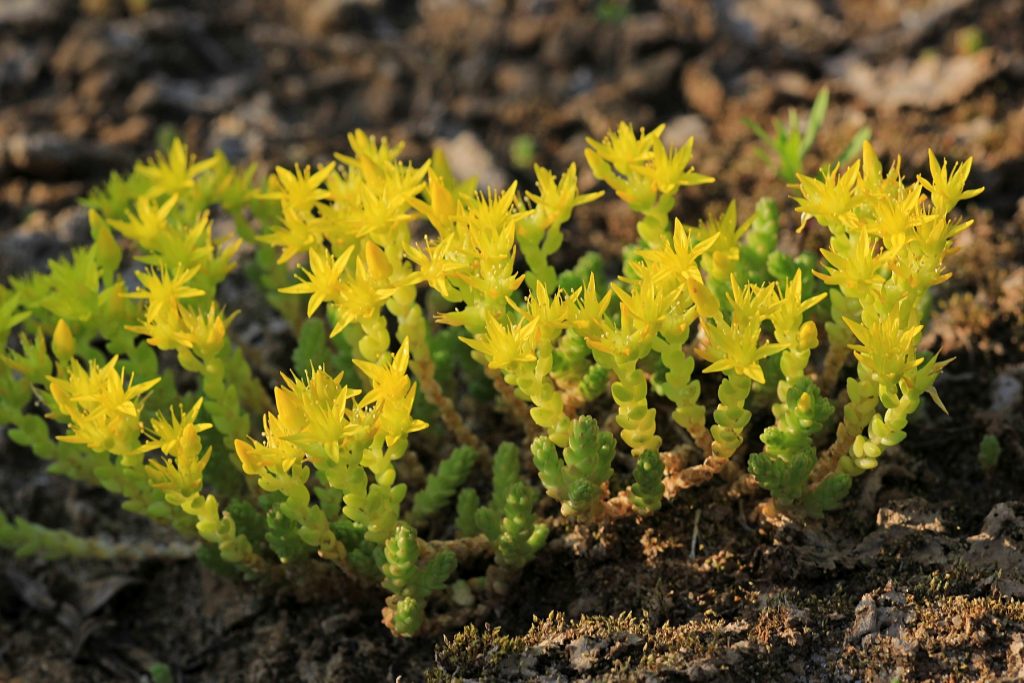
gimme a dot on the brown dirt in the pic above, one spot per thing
(919, 577)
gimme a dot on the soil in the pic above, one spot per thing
(920, 576)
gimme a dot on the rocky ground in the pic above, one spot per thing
(919, 577)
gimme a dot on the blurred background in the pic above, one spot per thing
(88, 86)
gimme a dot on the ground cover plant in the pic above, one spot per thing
(916, 576)
(428, 316)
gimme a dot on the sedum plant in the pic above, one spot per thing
(418, 335)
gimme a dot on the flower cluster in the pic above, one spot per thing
(416, 333)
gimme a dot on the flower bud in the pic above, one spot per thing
(63, 342)
(808, 335)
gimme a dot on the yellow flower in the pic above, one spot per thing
(670, 170)
(148, 222)
(829, 199)
(312, 422)
(555, 200)
(622, 148)
(165, 432)
(854, 264)
(322, 408)
(590, 318)
(361, 295)
(436, 267)
(283, 444)
(894, 217)
(947, 188)
(372, 209)
(182, 471)
(640, 167)
(323, 278)
(439, 205)
(163, 291)
(175, 171)
(372, 196)
(886, 348)
(751, 304)
(388, 382)
(102, 409)
(488, 222)
(725, 250)
(177, 437)
(297, 233)
(205, 332)
(277, 453)
(644, 307)
(165, 334)
(551, 314)
(736, 346)
(299, 191)
(369, 156)
(677, 258)
(736, 349)
(503, 345)
(788, 315)
(391, 395)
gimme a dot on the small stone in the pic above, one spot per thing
(468, 158)
(865, 619)
(682, 128)
(584, 654)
